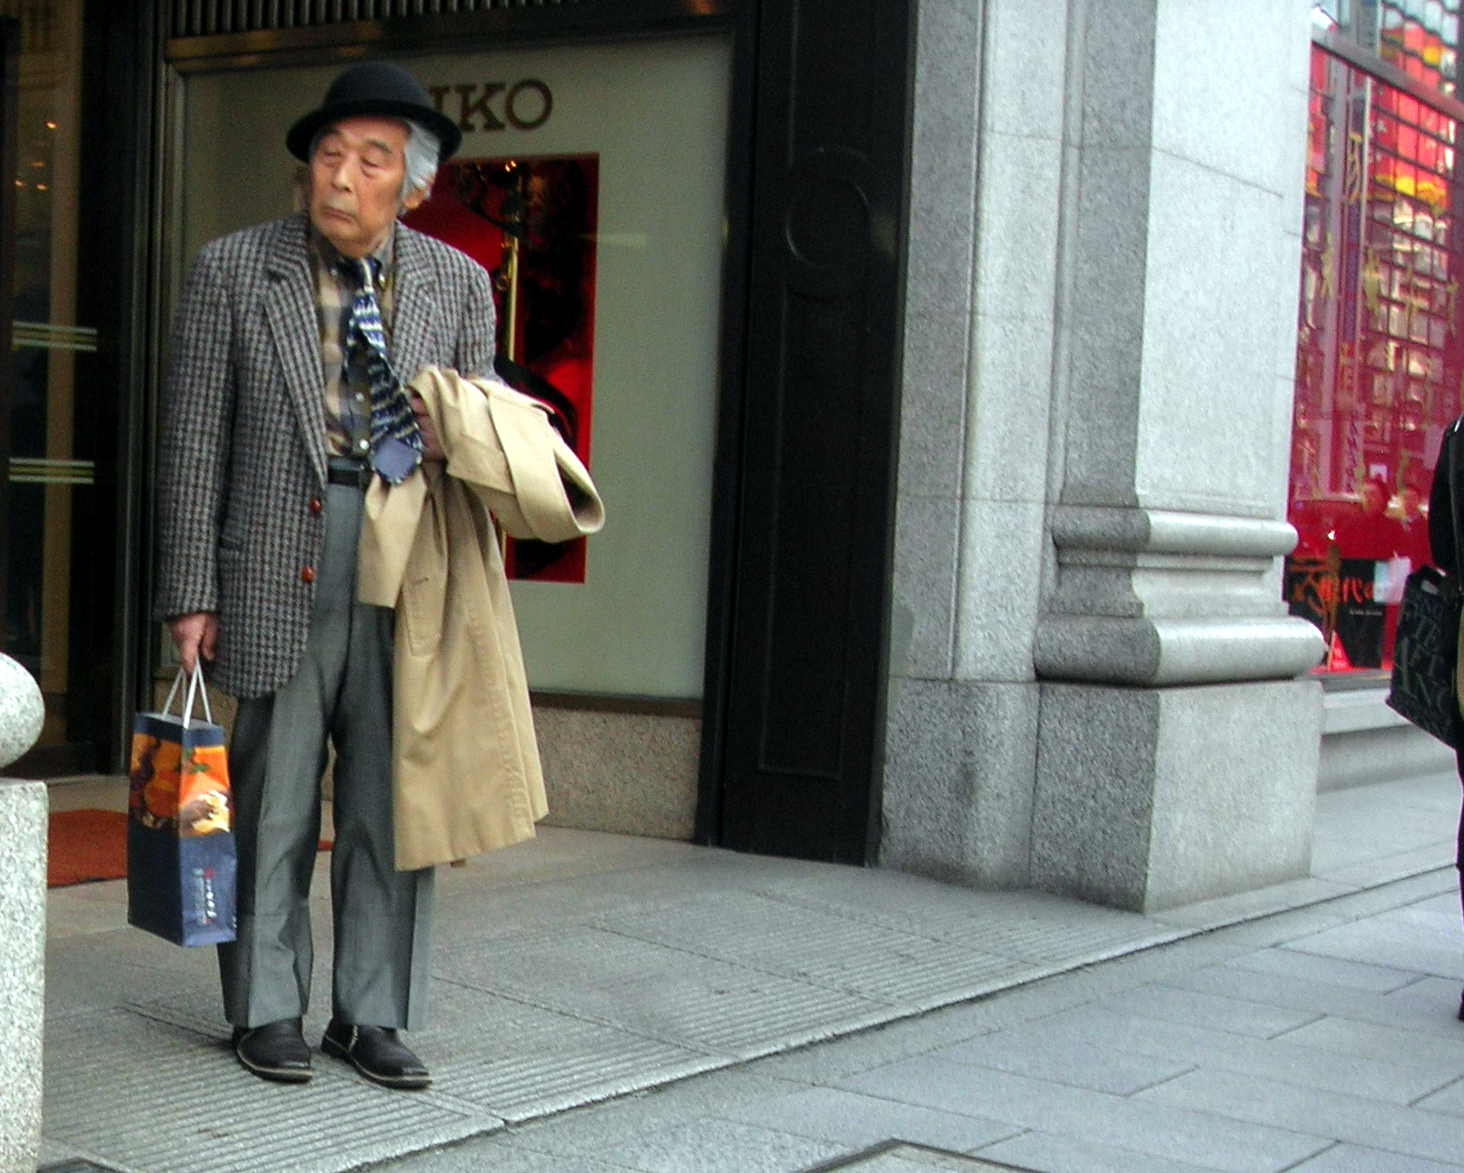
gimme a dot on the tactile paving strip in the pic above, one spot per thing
(75, 1166)
(660, 993)
(152, 1096)
(858, 958)
(525, 1086)
(1024, 926)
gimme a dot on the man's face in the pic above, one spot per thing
(356, 181)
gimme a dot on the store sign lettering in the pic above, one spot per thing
(495, 105)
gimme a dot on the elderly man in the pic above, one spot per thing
(284, 399)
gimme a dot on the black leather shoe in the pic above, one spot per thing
(276, 1050)
(1461, 1009)
(377, 1053)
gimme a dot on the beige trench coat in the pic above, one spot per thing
(467, 777)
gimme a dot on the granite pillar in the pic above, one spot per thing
(1178, 749)
(1094, 684)
(23, 812)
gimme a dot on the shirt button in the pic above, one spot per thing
(307, 574)
(362, 445)
(360, 397)
(316, 504)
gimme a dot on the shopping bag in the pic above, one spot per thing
(1424, 655)
(180, 848)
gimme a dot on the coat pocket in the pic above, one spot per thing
(424, 596)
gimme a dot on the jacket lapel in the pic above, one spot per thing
(413, 305)
(290, 307)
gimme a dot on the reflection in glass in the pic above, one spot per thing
(48, 496)
(1379, 356)
(1420, 37)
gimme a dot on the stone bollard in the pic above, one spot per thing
(24, 808)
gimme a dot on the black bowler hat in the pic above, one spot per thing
(380, 88)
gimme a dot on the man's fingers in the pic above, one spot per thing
(210, 638)
(193, 635)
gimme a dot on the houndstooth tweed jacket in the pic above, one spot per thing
(242, 459)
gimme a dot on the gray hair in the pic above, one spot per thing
(419, 156)
(422, 151)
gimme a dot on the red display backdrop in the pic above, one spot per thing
(532, 223)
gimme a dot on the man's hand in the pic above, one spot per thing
(193, 634)
(431, 445)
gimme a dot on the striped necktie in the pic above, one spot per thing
(396, 444)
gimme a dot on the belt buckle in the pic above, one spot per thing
(350, 473)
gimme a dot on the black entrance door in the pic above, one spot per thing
(9, 56)
(793, 729)
(59, 410)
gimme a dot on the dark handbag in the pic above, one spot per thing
(180, 848)
(1425, 653)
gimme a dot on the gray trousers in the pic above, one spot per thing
(383, 917)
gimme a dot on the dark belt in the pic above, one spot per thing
(349, 472)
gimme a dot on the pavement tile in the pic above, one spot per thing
(1437, 792)
(1391, 1044)
(1106, 1036)
(1348, 1158)
(497, 1154)
(1449, 1099)
(1309, 998)
(589, 1130)
(858, 1121)
(871, 961)
(1049, 1056)
(1435, 998)
(1068, 1154)
(1385, 868)
(895, 1157)
(1114, 1121)
(1224, 910)
(154, 1097)
(136, 963)
(1394, 939)
(1357, 975)
(657, 991)
(538, 1008)
(1217, 1010)
(1389, 1127)
(702, 1145)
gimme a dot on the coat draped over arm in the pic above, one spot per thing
(467, 776)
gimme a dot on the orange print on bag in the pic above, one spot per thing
(203, 806)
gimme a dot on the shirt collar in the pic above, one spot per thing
(331, 258)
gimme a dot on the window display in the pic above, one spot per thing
(532, 224)
(1380, 356)
(591, 182)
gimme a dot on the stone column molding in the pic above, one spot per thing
(1157, 598)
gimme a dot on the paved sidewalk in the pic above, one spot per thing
(585, 968)
(1318, 1041)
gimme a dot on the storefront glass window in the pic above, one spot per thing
(1420, 37)
(1380, 354)
(54, 513)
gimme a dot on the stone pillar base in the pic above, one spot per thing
(1148, 798)
(23, 810)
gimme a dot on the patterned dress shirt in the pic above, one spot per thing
(347, 387)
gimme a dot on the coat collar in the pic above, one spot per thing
(414, 303)
(290, 309)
